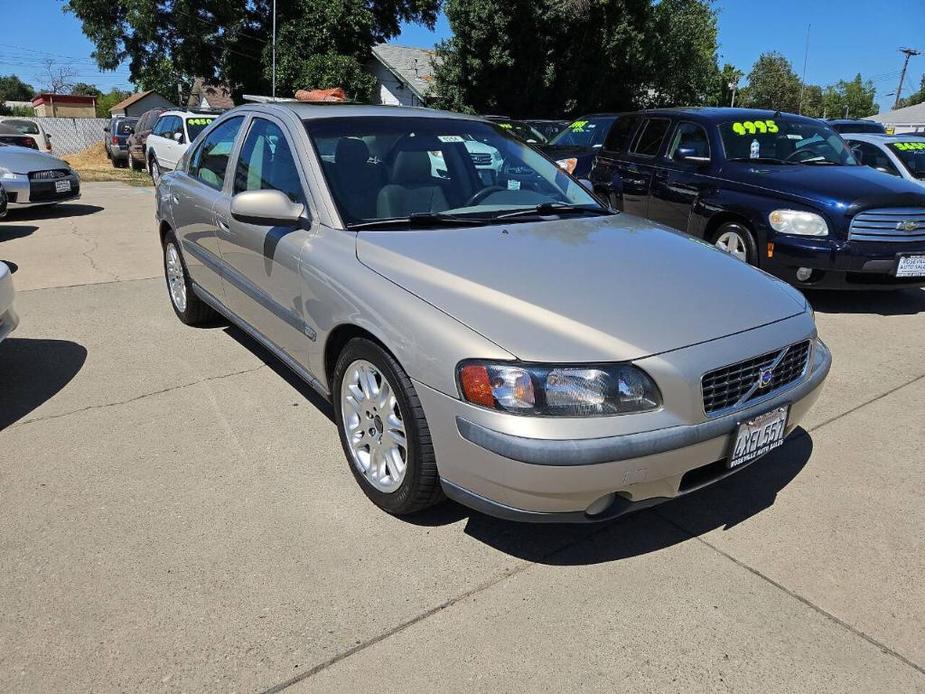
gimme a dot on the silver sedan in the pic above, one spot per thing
(509, 343)
(34, 178)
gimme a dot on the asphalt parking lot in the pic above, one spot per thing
(176, 514)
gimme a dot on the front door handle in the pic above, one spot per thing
(222, 224)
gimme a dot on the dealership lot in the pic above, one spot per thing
(177, 515)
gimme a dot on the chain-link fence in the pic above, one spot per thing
(70, 135)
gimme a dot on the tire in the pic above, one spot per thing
(399, 492)
(737, 240)
(135, 166)
(155, 170)
(190, 309)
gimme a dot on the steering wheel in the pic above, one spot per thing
(810, 154)
(482, 194)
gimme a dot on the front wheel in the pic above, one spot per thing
(155, 171)
(736, 240)
(383, 430)
(190, 309)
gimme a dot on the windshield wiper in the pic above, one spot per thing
(419, 220)
(554, 208)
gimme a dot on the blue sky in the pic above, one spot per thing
(847, 37)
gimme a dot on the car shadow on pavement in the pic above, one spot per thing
(10, 264)
(8, 232)
(32, 372)
(280, 370)
(721, 505)
(52, 211)
(902, 302)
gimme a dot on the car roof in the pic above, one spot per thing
(313, 111)
(851, 121)
(880, 138)
(194, 114)
(719, 114)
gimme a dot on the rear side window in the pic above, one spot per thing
(209, 162)
(618, 139)
(649, 141)
(266, 162)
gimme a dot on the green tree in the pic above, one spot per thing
(853, 99)
(168, 43)
(813, 101)
(14, 89)
(916, 97)
(106, 101)
(86, 89)
(772, 84)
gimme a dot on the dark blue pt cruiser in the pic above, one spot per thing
(780, 191)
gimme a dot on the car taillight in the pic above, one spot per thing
(115, 139)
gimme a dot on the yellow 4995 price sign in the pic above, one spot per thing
(750, 127)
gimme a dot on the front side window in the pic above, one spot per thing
(690, 141)
(912, 155)
(196, 125)
(209, 162)
(397, 167)
(784, 140)
(649, 141)
(266, 162)
(586, 132)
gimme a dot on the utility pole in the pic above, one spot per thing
(733, 85)
(803, 78)
(274, 49)
(908, 52)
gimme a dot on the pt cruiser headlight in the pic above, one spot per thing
(797, 222)
(565, 391)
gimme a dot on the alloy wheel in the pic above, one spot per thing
(731, 242)
(176, 278)
(374, 426)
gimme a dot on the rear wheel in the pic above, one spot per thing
(736, 240)
(189, 308)
(383, 430)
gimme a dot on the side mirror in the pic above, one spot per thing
(178, 138)
(106, 129)
(266, 208)
(857, 154)
(689, 154)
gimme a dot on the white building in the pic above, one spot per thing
(903, 120)
(403, 75)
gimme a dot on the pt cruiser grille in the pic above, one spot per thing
(753, 378)
(889, 224)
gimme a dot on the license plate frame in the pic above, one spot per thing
(918, 265)
(63, 185)
(771, 430)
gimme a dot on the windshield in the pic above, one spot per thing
(587, 132)
(26, 127)
(912, 155)
(521, 130)
(194, 126)
(122, 126)
(784, 141)
(392, 168)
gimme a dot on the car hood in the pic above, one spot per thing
(843, 188)
(22, 160)
(591, 289)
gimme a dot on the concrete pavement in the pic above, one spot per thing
(176, 515)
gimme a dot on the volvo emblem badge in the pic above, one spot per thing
(907, 225)
(765, 378)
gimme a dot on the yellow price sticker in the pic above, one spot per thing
(506, 126)
(752, 127)
(909, 146)
(578, 126)
(199, 121)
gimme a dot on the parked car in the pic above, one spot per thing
(856, 125)
(139, 136)
(519, 129)
(31, 129)
(36, 178)
(4, 201)
(897, 155)
(115, 140)
(8, 318)
(171, 137)
(548, 128)
(11, 136)
(776, 190)
(574, 148)
(472, 338)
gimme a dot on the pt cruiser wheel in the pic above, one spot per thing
(189, 308)
(383, 431)
(737, 241)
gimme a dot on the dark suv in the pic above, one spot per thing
(115, 139)
(136, 141)
(777, 190)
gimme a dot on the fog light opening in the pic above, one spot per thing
(598, 507)
(804, 274)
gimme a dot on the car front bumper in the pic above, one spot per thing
(486, 463)
(23, 192)
(841, 264)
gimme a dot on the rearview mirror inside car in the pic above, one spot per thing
(266, 208)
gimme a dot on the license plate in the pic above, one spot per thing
(758, 436)
(63, 186)
(911, 266)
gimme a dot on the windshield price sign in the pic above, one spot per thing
(750, 127)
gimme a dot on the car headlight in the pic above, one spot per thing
(568, 164)
(565, 391)
(6, 174)
(797, 222)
